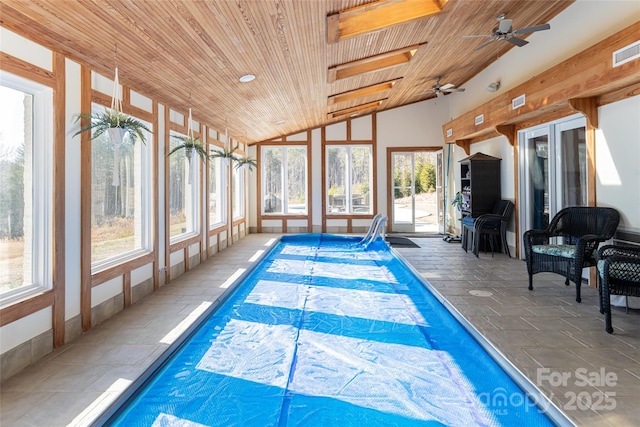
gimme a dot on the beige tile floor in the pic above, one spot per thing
(544, 333)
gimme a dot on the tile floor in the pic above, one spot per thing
(559, 344)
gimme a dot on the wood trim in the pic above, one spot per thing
(323, 172)
(183, 244)
(509, 131)
(588, 107)
(26, 307)
(588, 74)
(126, 288)
(309, 186)
(362, 92)
(58, 226)
(85, 203)
(27, 70)
(465, 144)
(107, 274)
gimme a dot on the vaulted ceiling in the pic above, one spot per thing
(310, 71)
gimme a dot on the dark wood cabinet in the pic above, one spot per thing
(480, 184)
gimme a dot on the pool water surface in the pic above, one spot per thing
(325, 333)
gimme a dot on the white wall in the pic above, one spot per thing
(618, 160)
(415, 125)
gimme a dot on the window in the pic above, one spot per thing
(121, 194)
(238, 192)
(284, 185)
(183, 192)
(26, 171)
(349, 177)
(216, 191)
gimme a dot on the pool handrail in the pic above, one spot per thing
(372, 227)
(379, 229)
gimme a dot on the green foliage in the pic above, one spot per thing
(336, 191)
(427, 177)
(101, 122)
(189, 145)
(12, 197)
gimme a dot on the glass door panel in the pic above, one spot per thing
(403, 192)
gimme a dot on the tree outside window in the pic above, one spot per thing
(349, 177)
(120, 204)
(183, 192)
(25, 194)
(284, 186)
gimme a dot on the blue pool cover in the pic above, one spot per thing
(324, 333)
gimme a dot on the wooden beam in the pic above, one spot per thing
(377, 15)
(361, 92)
(373, 63)
(358, 109)
(588, 74)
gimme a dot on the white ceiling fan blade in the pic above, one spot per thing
(439, 93)
(455, 89)
(532, 29)
(517, 41)
(505, 26)
(485, 44)
(447, 86)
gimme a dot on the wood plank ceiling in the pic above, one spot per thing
(191, 53)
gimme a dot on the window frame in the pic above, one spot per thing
(284, 180)
(221, 180)
(348, 184)
(192, 216)
(146, 202)
(42, 188)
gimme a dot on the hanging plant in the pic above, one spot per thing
(116, 124)
(190, 145)
(246, 162)
(229, 156)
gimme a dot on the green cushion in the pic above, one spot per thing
(565, 251)
(620, 270)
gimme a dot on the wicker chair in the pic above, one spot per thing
(582, 229)
(618, 274)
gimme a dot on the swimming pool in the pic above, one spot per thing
(325, 333)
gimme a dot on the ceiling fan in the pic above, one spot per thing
(441, 90)
(505, 32)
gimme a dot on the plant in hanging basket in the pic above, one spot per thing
(113, 122)
(190, 145)
(246, 162)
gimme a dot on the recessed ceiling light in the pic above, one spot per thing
(247, 78)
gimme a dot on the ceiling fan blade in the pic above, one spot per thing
(517, 41)
(447, 86)
(439, 94)
(485, 44)
(505, 25)
(455, 89)
(532, 29)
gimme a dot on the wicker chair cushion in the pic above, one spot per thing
(620, 270)
(565, 251)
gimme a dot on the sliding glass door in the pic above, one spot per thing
(553, 171)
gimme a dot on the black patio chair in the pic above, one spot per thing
(618, 274)
(581, 229)
(493, 225)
